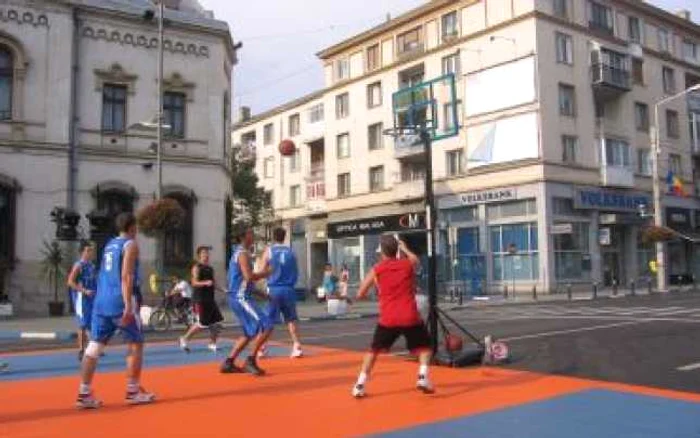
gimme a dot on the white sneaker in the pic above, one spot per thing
(424, 385)
(296, 351)
(87, 401)
(140, 397)
(184, 346)
(358, 391)
(213, 348)
(262, 352)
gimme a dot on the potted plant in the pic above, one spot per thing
(54, 273)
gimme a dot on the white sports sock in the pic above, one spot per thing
(361, 379)
(132, 385)
(84, 388)
(423, 371)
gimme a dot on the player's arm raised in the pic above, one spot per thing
(131, 254)
(409, 254)
(366, 285)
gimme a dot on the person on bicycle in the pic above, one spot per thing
(207, 313)
(180, 295)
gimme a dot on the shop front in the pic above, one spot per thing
(680, 251)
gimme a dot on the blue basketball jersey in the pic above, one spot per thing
(284, 267)
(109, 301)
(87, 277)
(238, 287)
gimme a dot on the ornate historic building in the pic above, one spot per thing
(75, 77)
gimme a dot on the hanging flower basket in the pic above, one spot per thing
(653, 234)
(160, 217)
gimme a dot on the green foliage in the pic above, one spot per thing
(251, 204)
(54, 266)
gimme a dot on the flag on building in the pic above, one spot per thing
(675, 184)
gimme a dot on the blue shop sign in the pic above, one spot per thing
(610, 200)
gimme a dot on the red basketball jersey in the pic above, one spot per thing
(396, 282)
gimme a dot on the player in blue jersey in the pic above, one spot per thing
(283, 277)
(82, 282)
(115, 308)
(241, 288)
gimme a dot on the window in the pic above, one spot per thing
(113, 108)
(342, 106)
(412, 171)
(376, 178)
(450, 64)
(454, 162)
(374, 95)
(674, 164)
(295, 195)
(178, 244)
(174, 113)
(599, 108)
(295, 161)
(316, 113)
(448, 115)
(571, 253)
(294, 125)
(569, 148)
(449, 25)
(567, 100)
(343, 145)
(669, 80)
(248, 138)
(373, 61)
(601, 18)
(343, 185)
(269, 167)
(226, 129)
(6, 81)
(644, 161)
(617, 153)
(375, 137)
(511, 209)
(342, 69)
(641, 116)
(672, 126)
(524, 263)
(637, 71)
(268, 134)
(634, 29)
(409, 41)
(564, 45)
(690, 51)
(561, 8)
(565, 207)
(664, 43)
(8, 223)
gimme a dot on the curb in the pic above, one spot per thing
(46, 336)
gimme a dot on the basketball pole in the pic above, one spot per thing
(430, 220)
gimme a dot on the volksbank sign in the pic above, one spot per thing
(610, 200)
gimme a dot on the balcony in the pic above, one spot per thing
(316, 196)
(609, 82)
(408, 146)
(408, 189)
(316, 173)
(411, 50)
(616, 176)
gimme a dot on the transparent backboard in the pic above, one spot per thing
(431, 105)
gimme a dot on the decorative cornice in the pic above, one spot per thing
(143, 41)
(115, 74)
(176, 83)
(9, 15)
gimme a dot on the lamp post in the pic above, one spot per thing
(662, 281)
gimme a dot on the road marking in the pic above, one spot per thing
(32, 335)
(692, 366)
(571, 331)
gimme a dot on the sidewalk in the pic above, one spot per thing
(63, 328)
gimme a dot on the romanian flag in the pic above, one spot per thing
(675, 185)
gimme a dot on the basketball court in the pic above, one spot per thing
(311, 397)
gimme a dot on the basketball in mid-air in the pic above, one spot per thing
(453, 343)
(287, 148)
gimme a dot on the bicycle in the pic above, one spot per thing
(162, 317)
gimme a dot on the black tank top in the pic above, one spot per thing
(204, 293)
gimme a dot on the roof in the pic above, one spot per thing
(402, 19)
(189, 16)
(280, 109)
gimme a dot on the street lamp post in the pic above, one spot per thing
(159, 127)
(662, 281)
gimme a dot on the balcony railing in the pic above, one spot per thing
(410, 50)
(316, 190)
(316, 172)
(601, 27)
(607, 75)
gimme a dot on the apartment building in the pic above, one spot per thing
(548, 182)
(76, 77)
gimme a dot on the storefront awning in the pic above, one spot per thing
(688, 235)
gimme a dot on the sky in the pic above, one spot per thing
(278, 62)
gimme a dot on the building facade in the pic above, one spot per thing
(75, 77)
(548, 182)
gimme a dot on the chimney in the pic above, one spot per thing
(684, 14)
(388, 17)
(244, 114)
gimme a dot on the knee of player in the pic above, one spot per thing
(94, 349)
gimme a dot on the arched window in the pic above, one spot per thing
(8, 217)
(111, 202)
(178, 245)
(6, 81)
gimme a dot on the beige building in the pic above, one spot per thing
(548, 182)
(74, 77)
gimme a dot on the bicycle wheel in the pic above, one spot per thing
(159, 320)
